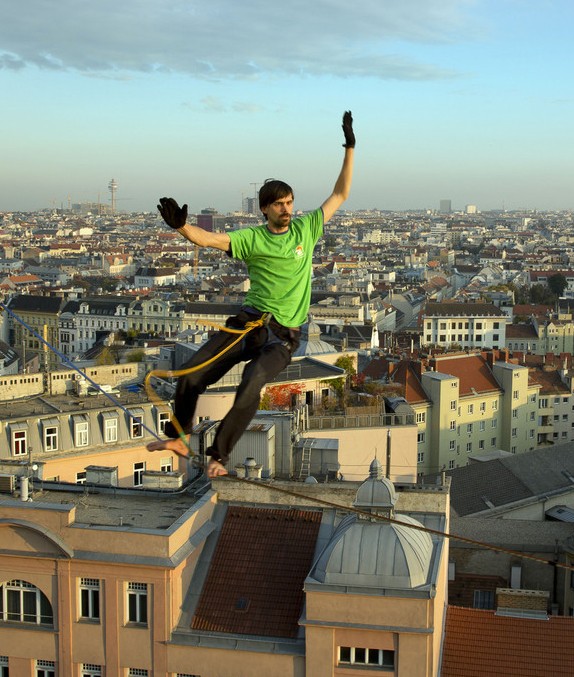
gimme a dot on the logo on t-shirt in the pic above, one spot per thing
(299, 251)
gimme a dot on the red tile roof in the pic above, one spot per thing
(479, 643)
(255, 582)
(472, 371)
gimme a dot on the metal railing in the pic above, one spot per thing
(361, 421)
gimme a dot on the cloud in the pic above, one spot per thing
(222, 39)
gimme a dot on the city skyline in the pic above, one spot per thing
(463, 100)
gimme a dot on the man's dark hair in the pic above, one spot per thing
(272, 190)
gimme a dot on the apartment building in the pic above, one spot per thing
(228, 581)
(83, 323)
(42, 315)
(471, 405)
(465, 325)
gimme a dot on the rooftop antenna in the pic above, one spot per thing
(113, 187)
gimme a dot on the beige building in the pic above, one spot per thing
(472, 405)
(231, 581)
(466, 325)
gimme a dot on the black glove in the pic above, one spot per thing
(174, 215)
(348, 130)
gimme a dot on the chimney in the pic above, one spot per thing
(522, 602)
(418, 368)
(490, 358)
(252, 469)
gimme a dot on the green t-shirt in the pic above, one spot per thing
(279, 266)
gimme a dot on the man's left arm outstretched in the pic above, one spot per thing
(342, 187)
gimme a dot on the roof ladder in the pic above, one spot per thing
(305, 460)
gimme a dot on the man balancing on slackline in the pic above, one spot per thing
(278, 255)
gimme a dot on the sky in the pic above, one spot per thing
(202, 100)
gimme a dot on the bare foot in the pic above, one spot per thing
(178, 446)
(214, 469)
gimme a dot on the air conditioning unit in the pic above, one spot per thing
(7, 483)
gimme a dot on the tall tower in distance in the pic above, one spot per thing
(113, 187)
(445, 207)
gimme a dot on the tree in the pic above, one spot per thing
(557, 284)
(135, 356)
(280, 397)
(105, 357)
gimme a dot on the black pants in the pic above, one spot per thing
(267, 350)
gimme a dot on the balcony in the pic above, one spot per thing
(339, 421)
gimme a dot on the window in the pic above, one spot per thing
(494, 422)
(137, 672)
(91, 670)
(45, 669)
(493, 441)
(163, 417)
(420, 438)
(110, 419)
(139, 469)
(453, 425)
(483, 599)
(453, 405)
(478, 325)
(50, 428)
(19, 435)
(494, 405)
(532, 415)
(90, 598)
(452, 445)
(351, 655)
(81, 477)
(451, 464)
(453, 384)
(421, 417)
(4, 671)
(136, 423)
(81, 430)
(468, 447)
(469, 428)
(420, 457)
(483, 406)
(514, 432)
(470, 409)
(543, 403)
(166, 464)
(515, 413)
(137, 603)
(481, 444)
(22, 602)
(481, 426)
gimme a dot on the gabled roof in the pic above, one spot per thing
(255, 581)
(473, 372)
(462, 310)
(406, 375)
(501, 482)
(37, 304)
(521, 331)
(480, 642)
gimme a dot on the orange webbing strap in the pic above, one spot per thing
(173, 373)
